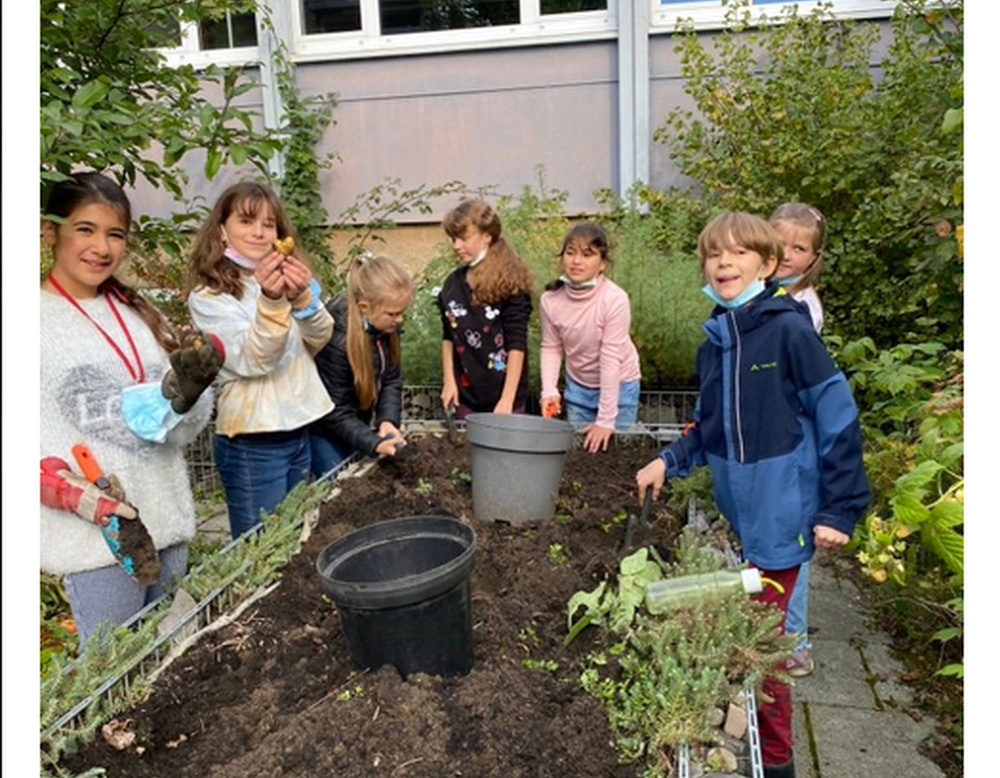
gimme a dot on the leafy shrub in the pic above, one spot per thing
(792, 109)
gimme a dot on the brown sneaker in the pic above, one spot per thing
(800, 663)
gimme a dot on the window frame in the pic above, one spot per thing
(534, 29)
(711, 14)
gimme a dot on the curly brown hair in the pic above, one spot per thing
(502, 273)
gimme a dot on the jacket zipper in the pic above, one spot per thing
(737, 416)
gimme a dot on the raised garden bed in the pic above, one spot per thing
(274, 692)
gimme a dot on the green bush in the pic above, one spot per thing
(809, 108)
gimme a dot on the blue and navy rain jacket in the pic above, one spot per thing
(778, 426)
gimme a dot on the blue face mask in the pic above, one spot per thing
(753, 289)
(790, 281)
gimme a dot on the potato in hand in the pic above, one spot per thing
(285, 246)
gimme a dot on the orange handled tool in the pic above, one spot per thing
(89, 467)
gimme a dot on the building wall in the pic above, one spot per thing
(487, 118)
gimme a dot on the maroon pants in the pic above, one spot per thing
(775, 718)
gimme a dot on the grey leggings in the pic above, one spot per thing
(111, 594)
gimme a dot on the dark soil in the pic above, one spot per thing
(136, 543)
(275, 694)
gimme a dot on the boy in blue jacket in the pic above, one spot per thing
(776, 423)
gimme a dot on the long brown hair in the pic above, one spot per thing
(502, 273)
(83, 189)
(208, 265)
(374, 280)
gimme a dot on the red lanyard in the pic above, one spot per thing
(137, 372)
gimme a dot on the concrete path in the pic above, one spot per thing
(850, 714)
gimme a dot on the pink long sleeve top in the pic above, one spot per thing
(591, 327)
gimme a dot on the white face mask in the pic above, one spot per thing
(479, 257)
(590, 283)
(753, 289)
(238, 259)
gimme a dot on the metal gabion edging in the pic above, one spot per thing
(213, 606)
(753, 741)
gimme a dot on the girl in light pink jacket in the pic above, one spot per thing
(587, 317)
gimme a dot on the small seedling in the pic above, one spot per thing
(424, 487)
(460, 476)
(557, 554)
(576, 486)
(349, 694)
(549, 665)
(528, 635)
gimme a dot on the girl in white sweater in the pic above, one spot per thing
(104, 383)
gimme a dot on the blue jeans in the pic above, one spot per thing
(582, 402)
(109, 594)
(327, 453)
(258, 470)
(797, 620)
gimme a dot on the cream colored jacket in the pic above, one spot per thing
(269, 381)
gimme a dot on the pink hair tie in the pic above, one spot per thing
(816, 214)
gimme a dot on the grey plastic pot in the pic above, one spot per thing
(517, 462)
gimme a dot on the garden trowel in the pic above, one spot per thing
(642, 519)
(128, 539)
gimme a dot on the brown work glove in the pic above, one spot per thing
(195, 365)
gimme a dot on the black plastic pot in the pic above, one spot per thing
(401, 588)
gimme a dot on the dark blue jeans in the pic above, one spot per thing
(327, 453)
(258, 470)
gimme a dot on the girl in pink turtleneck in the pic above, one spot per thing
(586, 316)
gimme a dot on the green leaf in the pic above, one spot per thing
(952, 454)
(212, 163)
(948, 514)
(919, 477)
(952, 121)
(238, 154)
(946, 634)
(957, 670)
(90, 94)
(634, 563)
(946, 544)
(909, 510)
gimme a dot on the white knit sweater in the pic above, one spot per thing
(81, 383)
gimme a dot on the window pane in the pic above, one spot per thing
(214, 33)
(331, 16)
(244, 29)
(572, 6)
(399, 16)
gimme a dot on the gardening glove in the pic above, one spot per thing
(195, 365)
(65, 490)
(551, 407)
